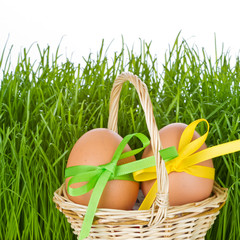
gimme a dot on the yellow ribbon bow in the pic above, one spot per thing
(186, 159)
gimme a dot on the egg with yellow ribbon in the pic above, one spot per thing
(183, 187)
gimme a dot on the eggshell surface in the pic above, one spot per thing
(97, 147)
(183, 187)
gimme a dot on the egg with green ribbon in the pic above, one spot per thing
(93, 153)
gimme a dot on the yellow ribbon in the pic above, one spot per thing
(187, 159)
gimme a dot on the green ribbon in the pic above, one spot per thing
(98, 176)
(169, 153)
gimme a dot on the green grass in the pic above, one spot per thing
(46, 105)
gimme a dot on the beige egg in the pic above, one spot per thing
(183, 187)
(97, 147)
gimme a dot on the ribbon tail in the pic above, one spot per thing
(201, 171)
(93, 203)
(212, 152)
(149, 199)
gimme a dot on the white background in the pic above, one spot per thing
(83, 24)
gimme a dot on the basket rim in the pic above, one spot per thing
(207, 207)
(219, 193)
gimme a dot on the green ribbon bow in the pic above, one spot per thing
(98, 176)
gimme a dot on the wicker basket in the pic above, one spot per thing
(189, 221)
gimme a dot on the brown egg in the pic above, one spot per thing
(97, 147)
(183, 187)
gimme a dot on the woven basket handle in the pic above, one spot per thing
(161, 201)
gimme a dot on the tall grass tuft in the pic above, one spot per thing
(46, 106)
